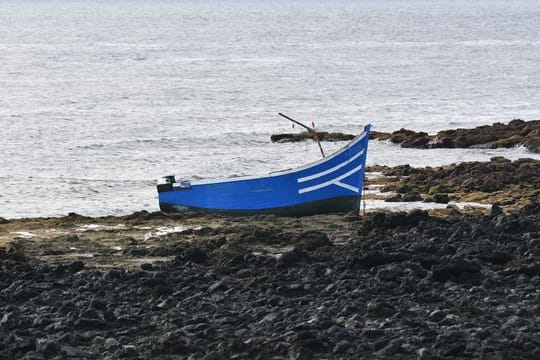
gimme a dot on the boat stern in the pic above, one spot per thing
(165, 183)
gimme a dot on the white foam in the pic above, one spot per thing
(24, 234)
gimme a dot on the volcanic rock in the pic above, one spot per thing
(510, 184)
(313, 239)
(322, 136)
(13, 252)
(401, 285)
(515, 133)
(454, 269)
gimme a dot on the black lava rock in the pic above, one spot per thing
(402, 285)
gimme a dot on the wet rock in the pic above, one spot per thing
(392, 220)
(495, 210)
(195, 254)
(47, 347)
(127, 351)
(424, 354)
(111, 343)
(409, 138)
(394, 198)
(72, 238)
(388, 273)
(322, 136)
(529, 270)
(381, 308)
(495, 257)
(22, 345)
(509, 183)
(218, 285)
(174, 343)
(98, 340)
(437, 315)
(75, 266)
(376, 259)
(411, 196)
(292, 257)
(342, 347)
(532, 208)
(406, 219)
(526, 133)
(14, 252)
(392, 348)
(136, 251)
(532, 144)
(147, 266)
(379, 135)
(313, 239)
(75, 216)
(441, 198)
(455, 350)
(23, 294)
(156, 215)
(32, 355)
(454, 269)
(7, 319)
(91, 319)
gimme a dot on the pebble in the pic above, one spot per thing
(111, 343)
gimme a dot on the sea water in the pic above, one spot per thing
(98, 99)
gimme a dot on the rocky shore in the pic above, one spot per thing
(509, 184)
(322, 135)
(428, 285)
(155, 286)
(515, 133)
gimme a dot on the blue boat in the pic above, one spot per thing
(332, 184)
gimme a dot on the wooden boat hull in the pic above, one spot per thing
(334, 205)
(330, 185)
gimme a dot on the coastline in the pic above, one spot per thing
(459, 279)
(464, 189)
(152, 285)
(99, 100)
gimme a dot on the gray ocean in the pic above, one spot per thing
(98, 99)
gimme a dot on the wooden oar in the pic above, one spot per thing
(312, 131)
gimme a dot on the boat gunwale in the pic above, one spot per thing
(278, 173)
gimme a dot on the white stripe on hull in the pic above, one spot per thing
(331, 170)
(335, 181)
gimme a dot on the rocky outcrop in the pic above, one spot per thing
(509, 183)
(323, 136)
(497, 174)
(515, 133)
